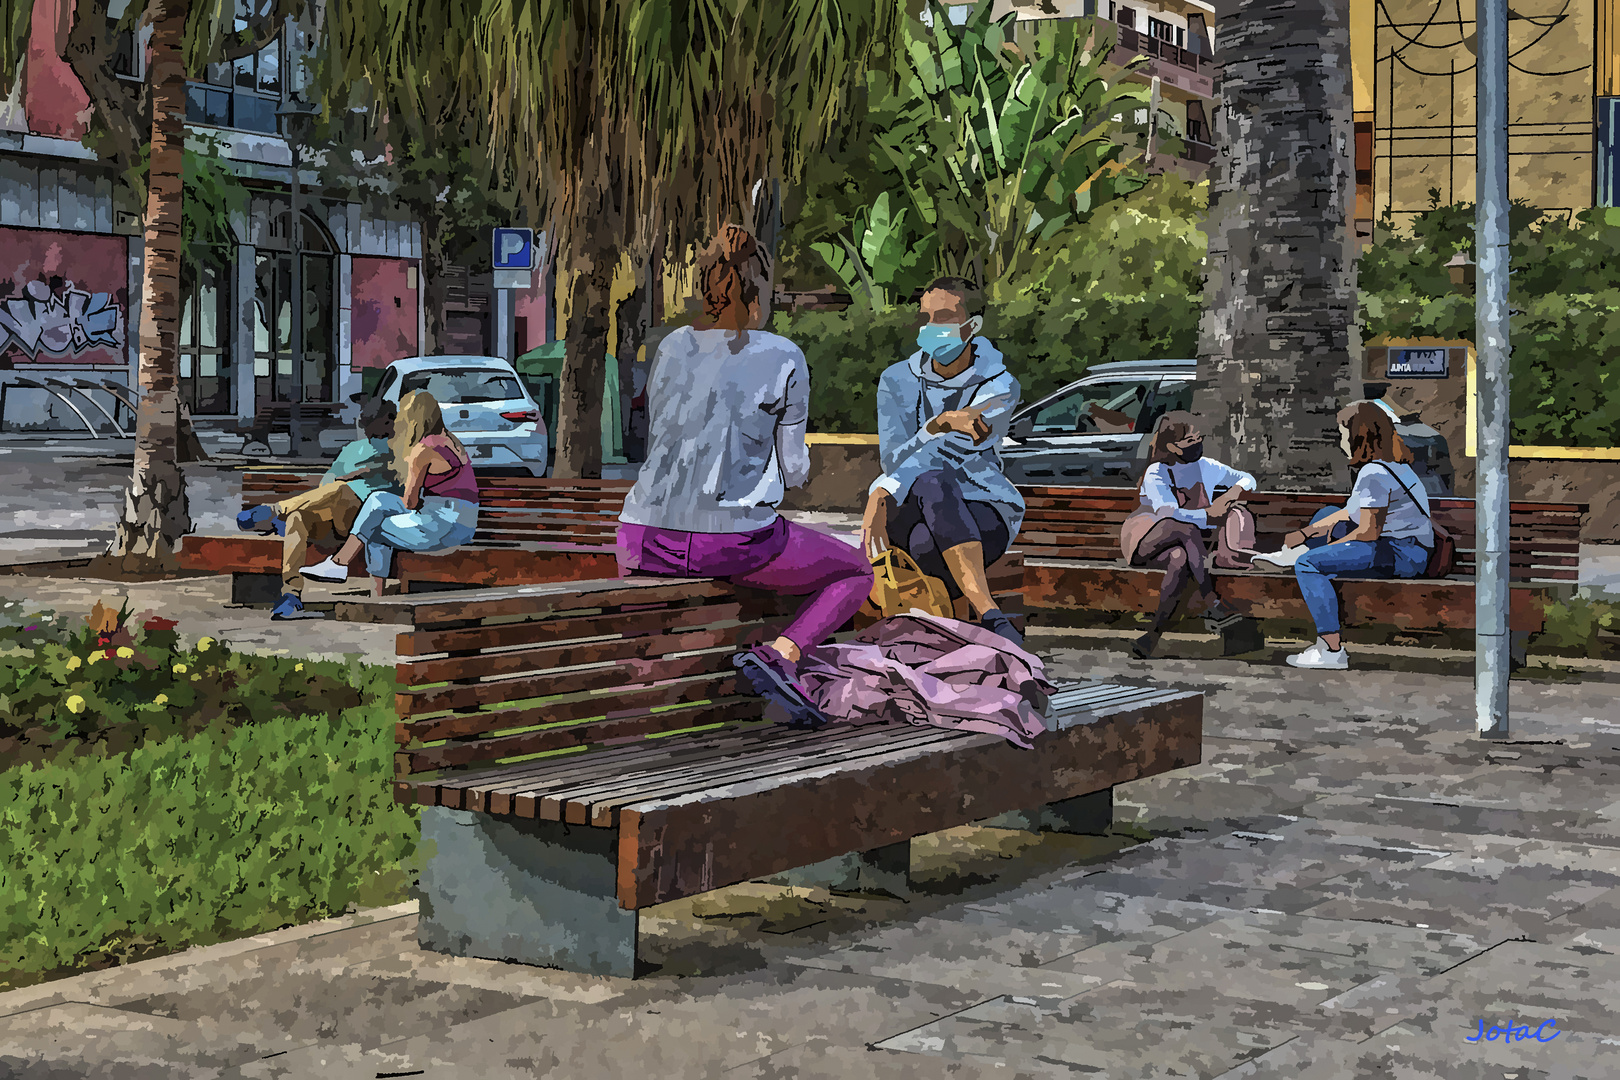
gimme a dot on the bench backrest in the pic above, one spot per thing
(511, 509)
(535, 670)
(1084, 522)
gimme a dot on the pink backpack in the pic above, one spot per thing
(1234, 536)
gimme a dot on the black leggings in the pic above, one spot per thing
(1178, 549)
(936, 517)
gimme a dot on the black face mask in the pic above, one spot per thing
(1192, 453)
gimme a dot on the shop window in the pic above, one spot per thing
(205, 333)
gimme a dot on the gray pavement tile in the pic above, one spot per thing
(1096, 917)
(1521, 897)
(697, 1028)
(975, 960)
(1171, 803)
(1454, 816)
(80, 1039)
(818, 1060)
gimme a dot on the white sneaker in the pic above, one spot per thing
(327, 570)
(1318, 656)
(1280, 560)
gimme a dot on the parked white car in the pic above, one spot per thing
(485, 404)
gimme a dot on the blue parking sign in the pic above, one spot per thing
(513, 249)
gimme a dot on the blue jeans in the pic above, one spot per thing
(386, 525)
(1381, 558)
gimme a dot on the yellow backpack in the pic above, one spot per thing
(899, 585)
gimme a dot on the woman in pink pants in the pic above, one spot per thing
(727, 405)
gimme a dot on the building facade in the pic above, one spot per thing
(1415, 64)
(1178, 39)
(71, 259)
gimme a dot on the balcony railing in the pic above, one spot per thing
(1138, 43)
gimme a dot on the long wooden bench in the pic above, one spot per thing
(1071, 539)
(583, 752)
(529, 530)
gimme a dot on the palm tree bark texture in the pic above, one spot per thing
(155, 511)
(1274, 351)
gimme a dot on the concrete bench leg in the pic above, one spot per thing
(886, 869)
(256, 588)
(1088, 815)
(531, 891)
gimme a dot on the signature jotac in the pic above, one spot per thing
(1546, 1031)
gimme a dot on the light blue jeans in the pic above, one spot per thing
(386, 525)
(1381, 558)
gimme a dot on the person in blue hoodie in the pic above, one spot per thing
(942, 412)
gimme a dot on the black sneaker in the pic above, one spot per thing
(1142, 648)
(1219, 616)
(997, 623)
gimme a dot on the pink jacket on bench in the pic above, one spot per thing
(923, 669)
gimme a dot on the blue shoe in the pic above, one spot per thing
(257, 518)
(290, 607)
(769, 676)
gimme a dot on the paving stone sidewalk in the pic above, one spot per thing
(1344, 888)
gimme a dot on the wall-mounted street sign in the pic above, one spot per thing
(512, 258)
(1419, 363)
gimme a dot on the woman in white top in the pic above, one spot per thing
(1178, 472)
(1383, 531)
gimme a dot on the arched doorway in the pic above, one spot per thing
(272, 313)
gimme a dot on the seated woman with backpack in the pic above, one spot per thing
(1383, 531)
(1167, 531)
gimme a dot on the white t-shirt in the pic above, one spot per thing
(1376, 488)
(1161, 481)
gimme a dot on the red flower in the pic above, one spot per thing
(158, 624)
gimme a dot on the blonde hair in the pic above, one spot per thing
(419, 416)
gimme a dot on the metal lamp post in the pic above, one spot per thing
(295, 113)
(1492, 654)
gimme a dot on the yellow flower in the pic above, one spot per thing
(204, 644)
(75, 704)
(179, 669)
(161, 699)
(125, 652)
(196, 678)
(298, 667)
(74, 663)
(92, 658)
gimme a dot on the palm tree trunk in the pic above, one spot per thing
(1274, 343)
(155, 512)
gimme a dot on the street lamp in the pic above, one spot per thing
(295, 114)
(1461, 269)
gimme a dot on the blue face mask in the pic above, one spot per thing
(941, 342)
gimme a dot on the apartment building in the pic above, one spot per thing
(71, 256)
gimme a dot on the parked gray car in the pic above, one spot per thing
(1094, 431)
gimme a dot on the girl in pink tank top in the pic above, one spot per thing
(439, 509)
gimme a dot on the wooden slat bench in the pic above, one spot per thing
(1071, 540)
(581, 752)
(530, 530)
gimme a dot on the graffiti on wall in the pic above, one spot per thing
(60, 323)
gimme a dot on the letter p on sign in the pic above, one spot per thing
(514, 249)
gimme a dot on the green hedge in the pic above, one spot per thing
(188, 841)
(1564, 294)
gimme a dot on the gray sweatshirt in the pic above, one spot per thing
(725, 432)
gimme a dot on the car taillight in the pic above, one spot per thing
(528, 414)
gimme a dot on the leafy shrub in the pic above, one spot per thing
(1574, 626)
(187, 841)
(128, 679)
(1565, 297)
